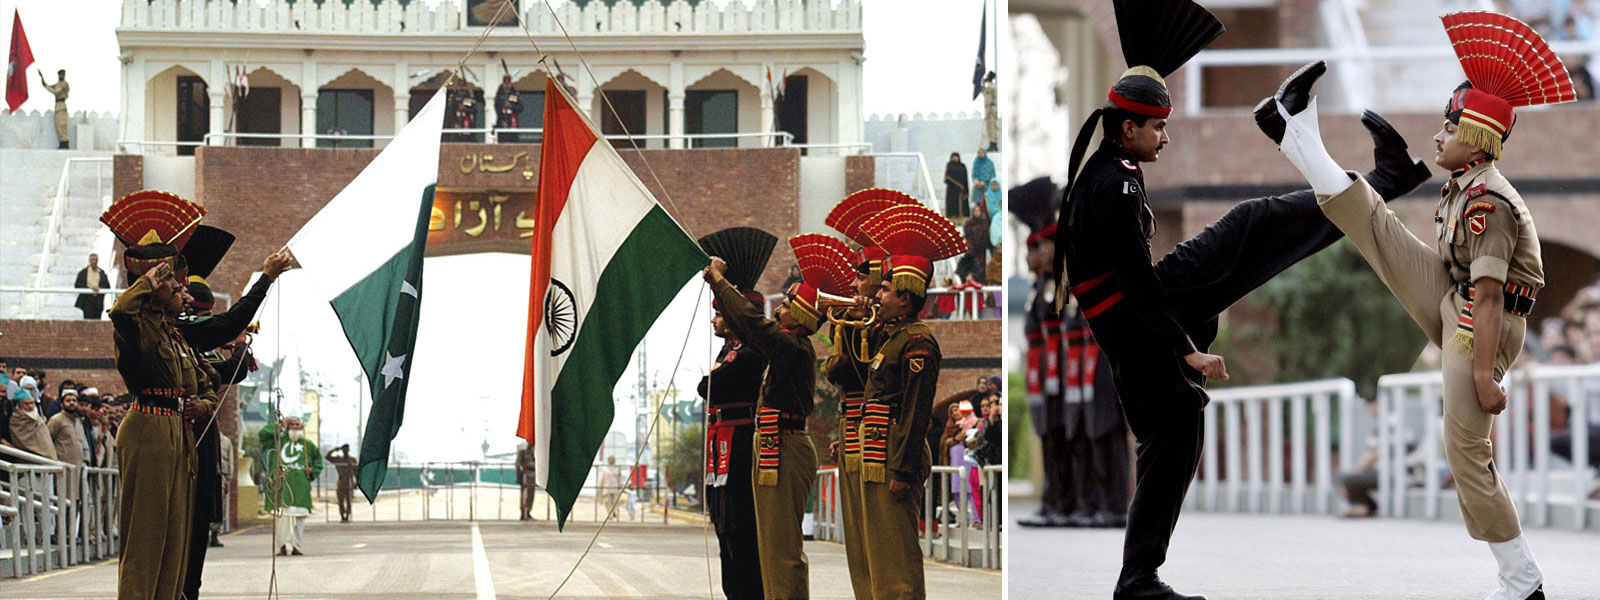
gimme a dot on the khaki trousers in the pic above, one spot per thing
(1420, 279)
(780, 509)
(894, 553)
(855, 532)
(154, 456)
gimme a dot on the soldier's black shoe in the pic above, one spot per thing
(1295, 94)
(1538, 594)
(1149, 588)
(297, 552)
(283, 551)
(1044, 518)
(214, 543)
(1395, 172)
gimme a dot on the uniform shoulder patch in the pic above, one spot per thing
(1128, 164)
(1130, 187)
(1477, 190)
(917, 363)
(1480, 205)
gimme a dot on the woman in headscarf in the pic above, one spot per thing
(955, 187)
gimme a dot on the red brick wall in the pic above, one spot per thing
(860, 172)
(127, 174)
(86, 343)
(264, 195)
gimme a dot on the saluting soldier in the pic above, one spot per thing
(786, 460)
(155, 449)
(1480, 279)
(732, 390)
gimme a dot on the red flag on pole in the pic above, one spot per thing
(17, 67)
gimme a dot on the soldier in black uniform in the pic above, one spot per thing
(1036, 203)
(1153, 324)
(208, 333)
(731, 391)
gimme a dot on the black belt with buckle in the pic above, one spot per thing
(1519, 298)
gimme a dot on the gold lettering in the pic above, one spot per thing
(523, 222)
(494, 169)
(468, 163)
(497, 200)
(436, 219)
(458, 214)
(477, 230)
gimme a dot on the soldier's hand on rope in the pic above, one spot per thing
(193, 407)
(714, 271)
(1491, 398)
(1209, 365)
(899, 490)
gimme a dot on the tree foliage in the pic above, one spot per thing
(1335, 318)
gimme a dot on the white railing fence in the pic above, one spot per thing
(950, 532)
(53, 515)
(1550, 491)
(1253, 435)
(34, 297)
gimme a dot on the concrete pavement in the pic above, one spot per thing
(519, 561)
(1244, 557)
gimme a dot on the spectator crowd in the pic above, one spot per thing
(73, 423)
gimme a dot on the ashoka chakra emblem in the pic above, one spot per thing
(560, 317)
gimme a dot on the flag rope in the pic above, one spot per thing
(637, 457)
(705, 428)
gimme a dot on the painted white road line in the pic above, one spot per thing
(480, 567)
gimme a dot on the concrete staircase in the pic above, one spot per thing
(1416, 84)
(28, 187)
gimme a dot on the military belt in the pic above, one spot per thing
(1519, 298)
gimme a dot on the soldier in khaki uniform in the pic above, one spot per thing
(1472, 290)
(155, 449)
(854, 346)
(786, 460)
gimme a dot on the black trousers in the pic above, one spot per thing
(1251, 244)
(207, 508)
(732, 508)
(1108, 460)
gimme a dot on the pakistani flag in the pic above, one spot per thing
(606, 261)
(364, 251)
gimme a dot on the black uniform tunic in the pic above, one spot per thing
(731, 391)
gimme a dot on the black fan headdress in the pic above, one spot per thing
(205, 249)
(745, 249)
(1035, 203)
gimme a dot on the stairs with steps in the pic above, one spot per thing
(28, 182)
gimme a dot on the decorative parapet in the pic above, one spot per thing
(390, 17)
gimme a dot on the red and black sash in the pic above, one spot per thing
(719, 440)
(852, 410)
(771, 424)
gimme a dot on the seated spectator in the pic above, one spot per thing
(28, 427)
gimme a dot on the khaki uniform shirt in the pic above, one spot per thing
(905, 375)
(150, 353)
(1485, 230)
(790, 383)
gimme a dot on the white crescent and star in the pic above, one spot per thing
(394, 367)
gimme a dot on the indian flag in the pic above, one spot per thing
(364, 253)
(607, 259)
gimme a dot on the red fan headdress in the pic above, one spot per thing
(153, 225)
(1508, 65)
(825, 263)
(848, 216)
(916, 230)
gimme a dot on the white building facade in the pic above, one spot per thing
(363, 67)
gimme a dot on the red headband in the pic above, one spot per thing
(1139, 108)
(1042, 234)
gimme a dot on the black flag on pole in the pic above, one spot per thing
(979, 69)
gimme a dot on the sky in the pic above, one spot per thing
(920, 53)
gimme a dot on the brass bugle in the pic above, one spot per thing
(836, 308)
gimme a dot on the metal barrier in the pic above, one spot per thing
(52, 514)
(491, 135)
(948, 534)
(1253, 476)
(111, 294)
(1521, 444)
(484, 491)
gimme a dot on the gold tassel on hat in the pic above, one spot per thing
(908, 282)
(1479, 136)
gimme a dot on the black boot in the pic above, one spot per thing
(62, 146)
(215, 543)
(1149, 587)
(1394, 171)
(1295, 94)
